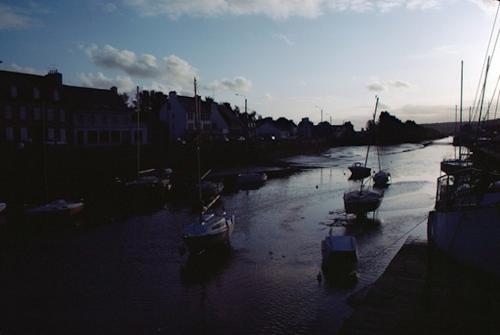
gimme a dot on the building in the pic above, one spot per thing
(41, 109)
(305, 128)
(226, 122)
(179, 116)
(32, 109)
(288, 129)
(267, 128)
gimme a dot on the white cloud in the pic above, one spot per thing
(23, 69)
(277, 9)
(237, 84)
(14, 18)
(99, 80)
(283, 38)
(378, 86)
(168, 73)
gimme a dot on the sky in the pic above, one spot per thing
(287, 58)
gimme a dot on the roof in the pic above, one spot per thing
(229, 116)
(188, 104)
(85, 98)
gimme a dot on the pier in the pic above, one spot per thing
(424, 292)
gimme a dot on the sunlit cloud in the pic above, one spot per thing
(12, 18)
(237, 84)
(99, 80)
(378, 86)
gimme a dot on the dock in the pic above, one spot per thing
(423, 291)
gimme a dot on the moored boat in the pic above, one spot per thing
(251, 179)
(360, 202)
(381, 179)
(359, 171)
(212, 230)
(466, 220)
(3, 206)
(57, 208)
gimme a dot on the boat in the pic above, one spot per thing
(3, 206)
(251, 179)
(451, 166)
(465, 223)
(381, 179)
(360, 202)
(359, 171)
(212, 229)
(339, 252)
(363, 200)
(57, 208)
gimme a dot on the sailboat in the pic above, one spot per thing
(149, 182)
(211, 229)
(362, 201)
(3, 206)
(381, 178)
(56, 209)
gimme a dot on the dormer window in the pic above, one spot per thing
(36, 93)
(13, 91)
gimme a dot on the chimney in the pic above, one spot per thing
(54, 77)
(114, 89)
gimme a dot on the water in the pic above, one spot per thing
(130, 277)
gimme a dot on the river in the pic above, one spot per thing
(131, 276)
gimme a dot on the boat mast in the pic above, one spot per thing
(198, 130)
(482, 98)
(138, 113)
(461, 105)
(374, 117)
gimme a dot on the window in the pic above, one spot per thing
(24, 134)
(62, 135)
(36, 93)
(8, 112)
(36, 113)
(56, 95)
(13, 91)
(22, 113)
(50, 114)
(50, 134)
(9, 134)
(62, 115)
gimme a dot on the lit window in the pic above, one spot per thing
(8, 112)
(22, 113)
(13, 91)
(36, 93)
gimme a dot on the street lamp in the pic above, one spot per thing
(241, 95)
(321, 108)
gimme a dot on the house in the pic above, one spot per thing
(226, 122)
(305, 128)
(288, 129)
(179, 115)
(249, 124)
(267, 128)
(41, 109)
(102, 118)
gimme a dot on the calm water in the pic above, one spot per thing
(130, 277)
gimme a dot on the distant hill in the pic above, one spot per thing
(448, 128)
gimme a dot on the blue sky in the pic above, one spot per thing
(289, 58)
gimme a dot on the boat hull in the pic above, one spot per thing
(197, 244)
(359, 172)
(361, 202)
(471, 236)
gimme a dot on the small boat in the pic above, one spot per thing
(359, 171)
(251, 179)
(339, 253)
(3, 206)
(212, 230)
(57, 208)
(381, 179)
(360, 202)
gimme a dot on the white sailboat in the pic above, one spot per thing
(362, 201)
(212, 229)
